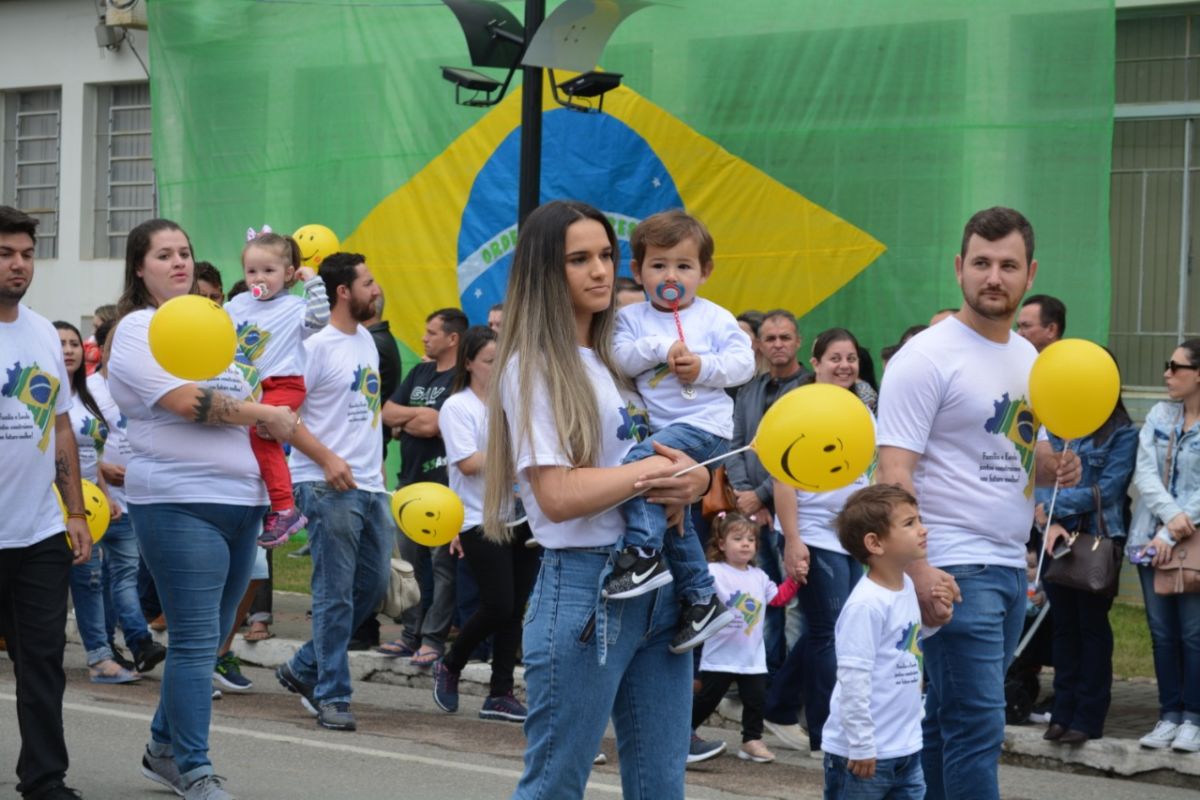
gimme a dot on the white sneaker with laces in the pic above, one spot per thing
(1187, 738)
(792, 736)
(1162, 737)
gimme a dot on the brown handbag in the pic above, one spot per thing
(1180, 575)
(1093, 563)
(719, 497)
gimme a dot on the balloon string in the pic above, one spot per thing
(684, 471)
(678, 324)
(1041, 560)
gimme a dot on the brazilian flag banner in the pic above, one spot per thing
(834, 147)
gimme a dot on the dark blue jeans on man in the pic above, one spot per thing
(646, 522)
(830, 581)
(351, 534)
(965, 664)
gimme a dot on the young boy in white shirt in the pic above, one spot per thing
(872, 738)
(683, 352)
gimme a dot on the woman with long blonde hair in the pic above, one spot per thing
(561, 421)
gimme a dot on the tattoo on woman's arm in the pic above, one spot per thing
(214, 408)
(62, 469)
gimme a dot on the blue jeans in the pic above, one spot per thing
(965, 664)
(571, 695)
(830, 579)
(775, 618)
(200, 555)
(121, 571)
(646, 522)
(87, 594)
(351, 535)
(895, 779)
(1174, 622)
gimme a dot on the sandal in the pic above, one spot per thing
(424, 658)
(396, 649)
(259, 632)
(109, 671)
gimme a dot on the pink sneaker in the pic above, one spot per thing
(278, 527)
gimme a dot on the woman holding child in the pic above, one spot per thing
(561, 420)
(195, 497)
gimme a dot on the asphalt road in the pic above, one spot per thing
(268, 747)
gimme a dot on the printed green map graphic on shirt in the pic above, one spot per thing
(96, 430)
(38, 391)
(249, 372)
(366, 381)
(748, 607)
(635, 423)
(252, 340)
(911, 642)
(1015, 421)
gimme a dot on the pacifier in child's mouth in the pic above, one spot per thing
(258, 291)
(670, 292)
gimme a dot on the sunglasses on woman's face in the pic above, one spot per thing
(1174, 366)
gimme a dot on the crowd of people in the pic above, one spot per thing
(568, 425)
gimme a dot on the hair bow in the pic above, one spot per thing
(720, 515)
(251, 235)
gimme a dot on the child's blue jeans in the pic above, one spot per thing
(895, 779)
(646, 523)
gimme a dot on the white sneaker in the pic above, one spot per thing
(1162, 737)
(1187, 738)
(792, 736)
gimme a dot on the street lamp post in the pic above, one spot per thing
(530, 175)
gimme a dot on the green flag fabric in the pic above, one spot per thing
(834, 147)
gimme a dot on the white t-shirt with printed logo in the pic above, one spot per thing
(342, 407)
(878, 631)
(962, 402)
(463, 423)
(271, 332)
(176, 460)
(116, 450)
(34, 390)
(91, 436)
(738, 647)
(622, 424)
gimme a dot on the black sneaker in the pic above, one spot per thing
(288, 680)
(337, 717)
(698, 623)
(149, 656)
(55, 791)
(445, 687)
(118, 655)
(635, 575)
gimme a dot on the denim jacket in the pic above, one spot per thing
(1158, 503)
(1109, 466)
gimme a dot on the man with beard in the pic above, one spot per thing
(39, 452)
(957, 430)
(338, 478)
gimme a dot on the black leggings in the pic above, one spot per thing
(505, 574)
(752, 689)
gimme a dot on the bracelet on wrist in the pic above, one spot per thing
(76, 515)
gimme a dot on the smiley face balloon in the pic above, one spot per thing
(428, 513)
(316, 242)
(95, 507)
(816, 438)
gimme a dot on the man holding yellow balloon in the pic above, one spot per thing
(39, 452)
(956, 428)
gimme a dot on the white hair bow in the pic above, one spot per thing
(251, 235)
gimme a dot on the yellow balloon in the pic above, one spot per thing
(428, 513)
(95, 506)
(192, 338)
(817, 438)
(316, 242)
(1074, 387)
